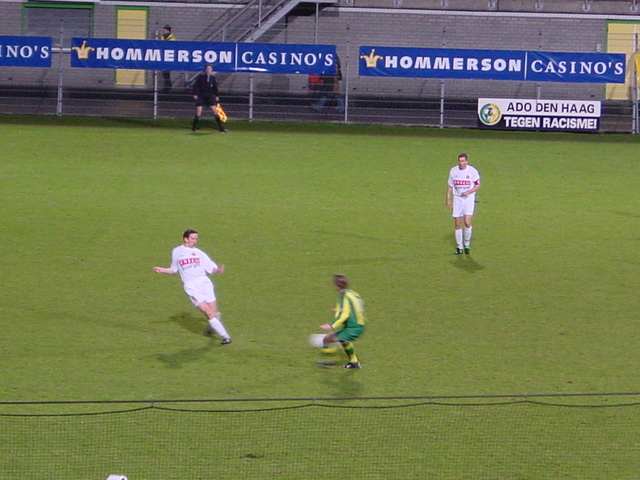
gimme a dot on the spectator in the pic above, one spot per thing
(330, 92)
(167, 34)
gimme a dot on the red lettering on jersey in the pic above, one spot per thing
(189, 261)
(459, 183)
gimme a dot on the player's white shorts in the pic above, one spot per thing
(463, 206)
(200, 291)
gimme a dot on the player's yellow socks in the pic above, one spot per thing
(350, 351)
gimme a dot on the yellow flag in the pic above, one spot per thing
(221, 113)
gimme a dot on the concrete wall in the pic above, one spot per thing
(188, 22)
(349, 28)
(617, 7)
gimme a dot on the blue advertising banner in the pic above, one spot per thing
(151, 54)
(286, 58)
(225, 57)
(492, 64)
(441, 63)
(25, 51)
(576, 67)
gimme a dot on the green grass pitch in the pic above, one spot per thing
(546, 303)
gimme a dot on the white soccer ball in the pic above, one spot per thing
(316, 340)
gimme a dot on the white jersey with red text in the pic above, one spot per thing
(192, 264)
(462, 180)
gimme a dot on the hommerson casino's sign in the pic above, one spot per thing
(25, 51)
(225, 57)
(516, 65)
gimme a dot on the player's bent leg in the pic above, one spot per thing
(328, 350)
(329, 339)
(213, 308)
(329, 344)
(346, 338)
(349, 350)
(215, 322)
(205, 308)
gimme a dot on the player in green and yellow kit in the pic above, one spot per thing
(349, 320)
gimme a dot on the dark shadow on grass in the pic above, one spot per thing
(324, 128)
(466, 263)
(626, 214)
(339, 381)
(190, 322)
(343, 383)
(205, 131)
(181, 357)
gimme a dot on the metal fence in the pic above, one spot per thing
(63, 90)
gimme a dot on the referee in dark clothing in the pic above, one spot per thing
(205, 93)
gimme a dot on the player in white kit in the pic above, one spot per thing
(464, 182)
(194, 267)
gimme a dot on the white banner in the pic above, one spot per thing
(526, 114)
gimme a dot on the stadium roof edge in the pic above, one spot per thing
(486, 13)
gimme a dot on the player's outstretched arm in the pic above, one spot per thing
(214, 269)
(166, 271)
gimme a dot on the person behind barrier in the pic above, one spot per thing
(167, 34)
(328, 87)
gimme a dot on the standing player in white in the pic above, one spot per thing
(464, 182)
(194, 267)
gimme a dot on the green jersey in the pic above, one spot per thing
(349, 311)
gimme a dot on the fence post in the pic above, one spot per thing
(60, 71)
(155, 95)
(635, 128)
(155, 83)
(346, 83)
(250, 96)
(441, 103)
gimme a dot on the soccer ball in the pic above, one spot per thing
(316, 340)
